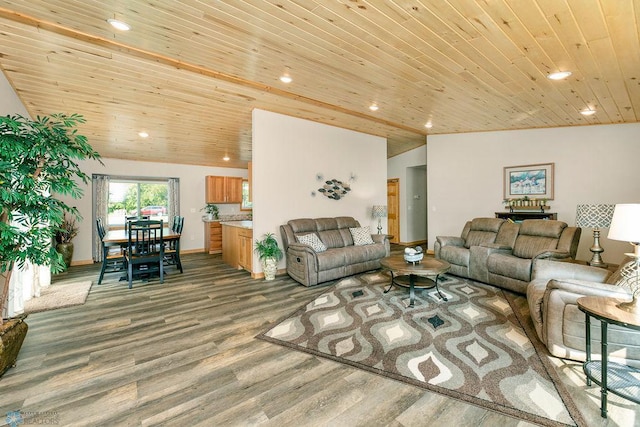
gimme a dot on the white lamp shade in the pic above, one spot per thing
(625, 224)
(379, 211)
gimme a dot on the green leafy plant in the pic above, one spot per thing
(211, 209)
(38, 159)
(268, 248)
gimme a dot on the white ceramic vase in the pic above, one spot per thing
(269, 268)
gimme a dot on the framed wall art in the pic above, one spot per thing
(532, 181)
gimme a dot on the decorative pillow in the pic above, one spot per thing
(361, 236)
(312, 240)
(625, 275)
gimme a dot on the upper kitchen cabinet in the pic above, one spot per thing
(223, 189)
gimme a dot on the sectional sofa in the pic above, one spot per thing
(524, 258)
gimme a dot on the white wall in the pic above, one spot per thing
(593, 164)
(192, 198)
(10, 104)
(289, 152)
(407, 167)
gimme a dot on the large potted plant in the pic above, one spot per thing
(269, 253)
(38, 159)
(64, 236)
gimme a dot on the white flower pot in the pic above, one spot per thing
(269, 268)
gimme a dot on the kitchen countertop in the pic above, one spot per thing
(228, 218)
(239, 224)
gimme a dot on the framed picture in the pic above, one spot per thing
(533, 181)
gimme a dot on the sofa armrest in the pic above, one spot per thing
(384, 239)
(497, 247)
(450, 241)
(302, 264)
(379, 238)
(549, 269)
(581, 288)
(552, 254)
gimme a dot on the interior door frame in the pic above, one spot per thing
(396, 231)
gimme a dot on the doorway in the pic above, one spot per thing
(393, 209)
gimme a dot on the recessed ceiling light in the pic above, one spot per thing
(143, 134)
(286, 78)
(373, 107)
(559, 75)
(119, 25)
(428, 125)
(588, 112)
(225, 158)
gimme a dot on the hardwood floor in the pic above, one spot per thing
(183, 353)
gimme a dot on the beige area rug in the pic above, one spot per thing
(59, 296)
(473, 347)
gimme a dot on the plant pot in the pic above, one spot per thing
(210, 217)
(66, 250)
(12, 334)
(269, 268)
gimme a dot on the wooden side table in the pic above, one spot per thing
(610, 376)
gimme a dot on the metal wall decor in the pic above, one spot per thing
(334, 189)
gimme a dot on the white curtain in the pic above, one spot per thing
(101, 210)
(174, 198)
(26, 283)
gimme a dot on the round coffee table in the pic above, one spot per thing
(418, 275)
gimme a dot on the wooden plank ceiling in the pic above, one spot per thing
(189, 72)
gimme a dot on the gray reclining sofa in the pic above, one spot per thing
(502, 253)
(340, 259)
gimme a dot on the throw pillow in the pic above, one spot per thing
(312, 240)
(361, 236)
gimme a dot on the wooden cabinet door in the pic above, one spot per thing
(233, 190)
(215, 189)
(246, 248)
(213, 237)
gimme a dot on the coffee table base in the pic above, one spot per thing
(414, 282)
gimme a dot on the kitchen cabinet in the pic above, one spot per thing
(237, 244)
(223, 189)
(213, 237)
(245, 248)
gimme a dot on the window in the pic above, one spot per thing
(247, 204)
(137, 198)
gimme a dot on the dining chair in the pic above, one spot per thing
(113, 260)
(172, 249)
(145, 249)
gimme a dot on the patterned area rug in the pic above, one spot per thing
(472, 347)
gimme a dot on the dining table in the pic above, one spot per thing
(122, 237)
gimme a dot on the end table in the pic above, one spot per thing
(610, 376)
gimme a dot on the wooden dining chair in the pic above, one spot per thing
(113, 260)
(172, 249)
(145, 250)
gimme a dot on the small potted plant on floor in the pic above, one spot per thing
(269, 253)
(211, 210)
(64, 237)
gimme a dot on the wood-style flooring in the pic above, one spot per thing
(183, 353)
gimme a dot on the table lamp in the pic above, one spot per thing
(595, 216)
(379, 211)
(625, 226)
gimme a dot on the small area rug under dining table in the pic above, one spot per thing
(472, 347)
